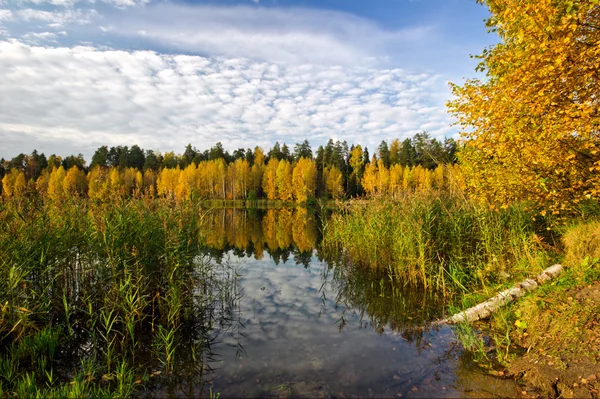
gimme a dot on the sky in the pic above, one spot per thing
(79, 74)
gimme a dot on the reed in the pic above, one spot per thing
(81, 275)
(436, 241)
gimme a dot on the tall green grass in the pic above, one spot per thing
(438, 242)
(119, 287)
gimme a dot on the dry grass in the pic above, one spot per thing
(580, 242)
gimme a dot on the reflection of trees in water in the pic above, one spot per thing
(248, 233)
(372, 295)
(294, 231)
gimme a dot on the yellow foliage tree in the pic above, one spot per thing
(55, 184)
(396, 180)
(383, 177)
(369, 179)
(75, 183)
(8, 183)
(41, 184)
(304, 179)
(269, 179)
(166, 184)
(149, 182)
(20, 186)
(97, 183)
(284, 181)
(186, 183)
(333, 181)
(532, 128)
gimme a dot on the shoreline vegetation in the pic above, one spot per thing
(102, 261)
(143, 250)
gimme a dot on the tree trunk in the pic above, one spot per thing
(485, 309)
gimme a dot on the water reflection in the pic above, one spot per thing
(308, 326)
(248, 233)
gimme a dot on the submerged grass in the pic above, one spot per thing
(119, 287)
(439, 242)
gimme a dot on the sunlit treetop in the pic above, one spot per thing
(532, 128)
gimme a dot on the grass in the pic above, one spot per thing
(558, 316)
(439, 242)
(119, 287)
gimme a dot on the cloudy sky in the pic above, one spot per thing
(79, 74)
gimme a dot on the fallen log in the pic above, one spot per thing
(485, 309)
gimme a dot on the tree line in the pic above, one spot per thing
(335, 171)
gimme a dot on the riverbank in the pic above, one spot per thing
(551, 338)
(548, 340)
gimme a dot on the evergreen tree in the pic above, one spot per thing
(136, 157)
(285, 153)
(384, 153)
(189, 155)
(302, 150)
(100, 157)
(151, 161)
(275, 152)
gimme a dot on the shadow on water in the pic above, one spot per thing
(309, 325)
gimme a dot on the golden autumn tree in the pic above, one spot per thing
(8, 182)
(20, 186)
(369, 179)
(532, 128)
(333, 181)
(41, 184)
(396, 180)
(186, 182)
(283, 180)
(55, 184)
(167, 181)
(304, 179)
(357, 164)
(383, 177)
(269, 179)
(257, 170)
(149, 182)
(75, 183)
(97, 183)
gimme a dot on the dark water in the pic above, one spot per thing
(309, 325)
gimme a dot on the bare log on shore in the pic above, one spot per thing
(485, 309)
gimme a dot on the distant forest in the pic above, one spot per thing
(335, 170)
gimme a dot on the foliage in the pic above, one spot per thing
(532, 127)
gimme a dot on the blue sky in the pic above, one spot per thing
(78, 74)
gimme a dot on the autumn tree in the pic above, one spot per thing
(283, 180)
(333, 182)
(257, 171)
(369, 179)
(304, 179)
(269, 183)
(532, 128)
(55, 184)
(14, 183)
(75, 183)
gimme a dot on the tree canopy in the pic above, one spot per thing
(531, 128)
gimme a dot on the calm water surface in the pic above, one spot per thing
(309, 327)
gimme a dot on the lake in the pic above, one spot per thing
(307, 324)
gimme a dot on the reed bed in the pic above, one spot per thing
(438, 242)
(106, 299)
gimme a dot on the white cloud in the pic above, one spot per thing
(35, 37)
(5, 15)
(126, 3)
(58, 19)
(60, 3)
(291, 35)
(82, 97)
